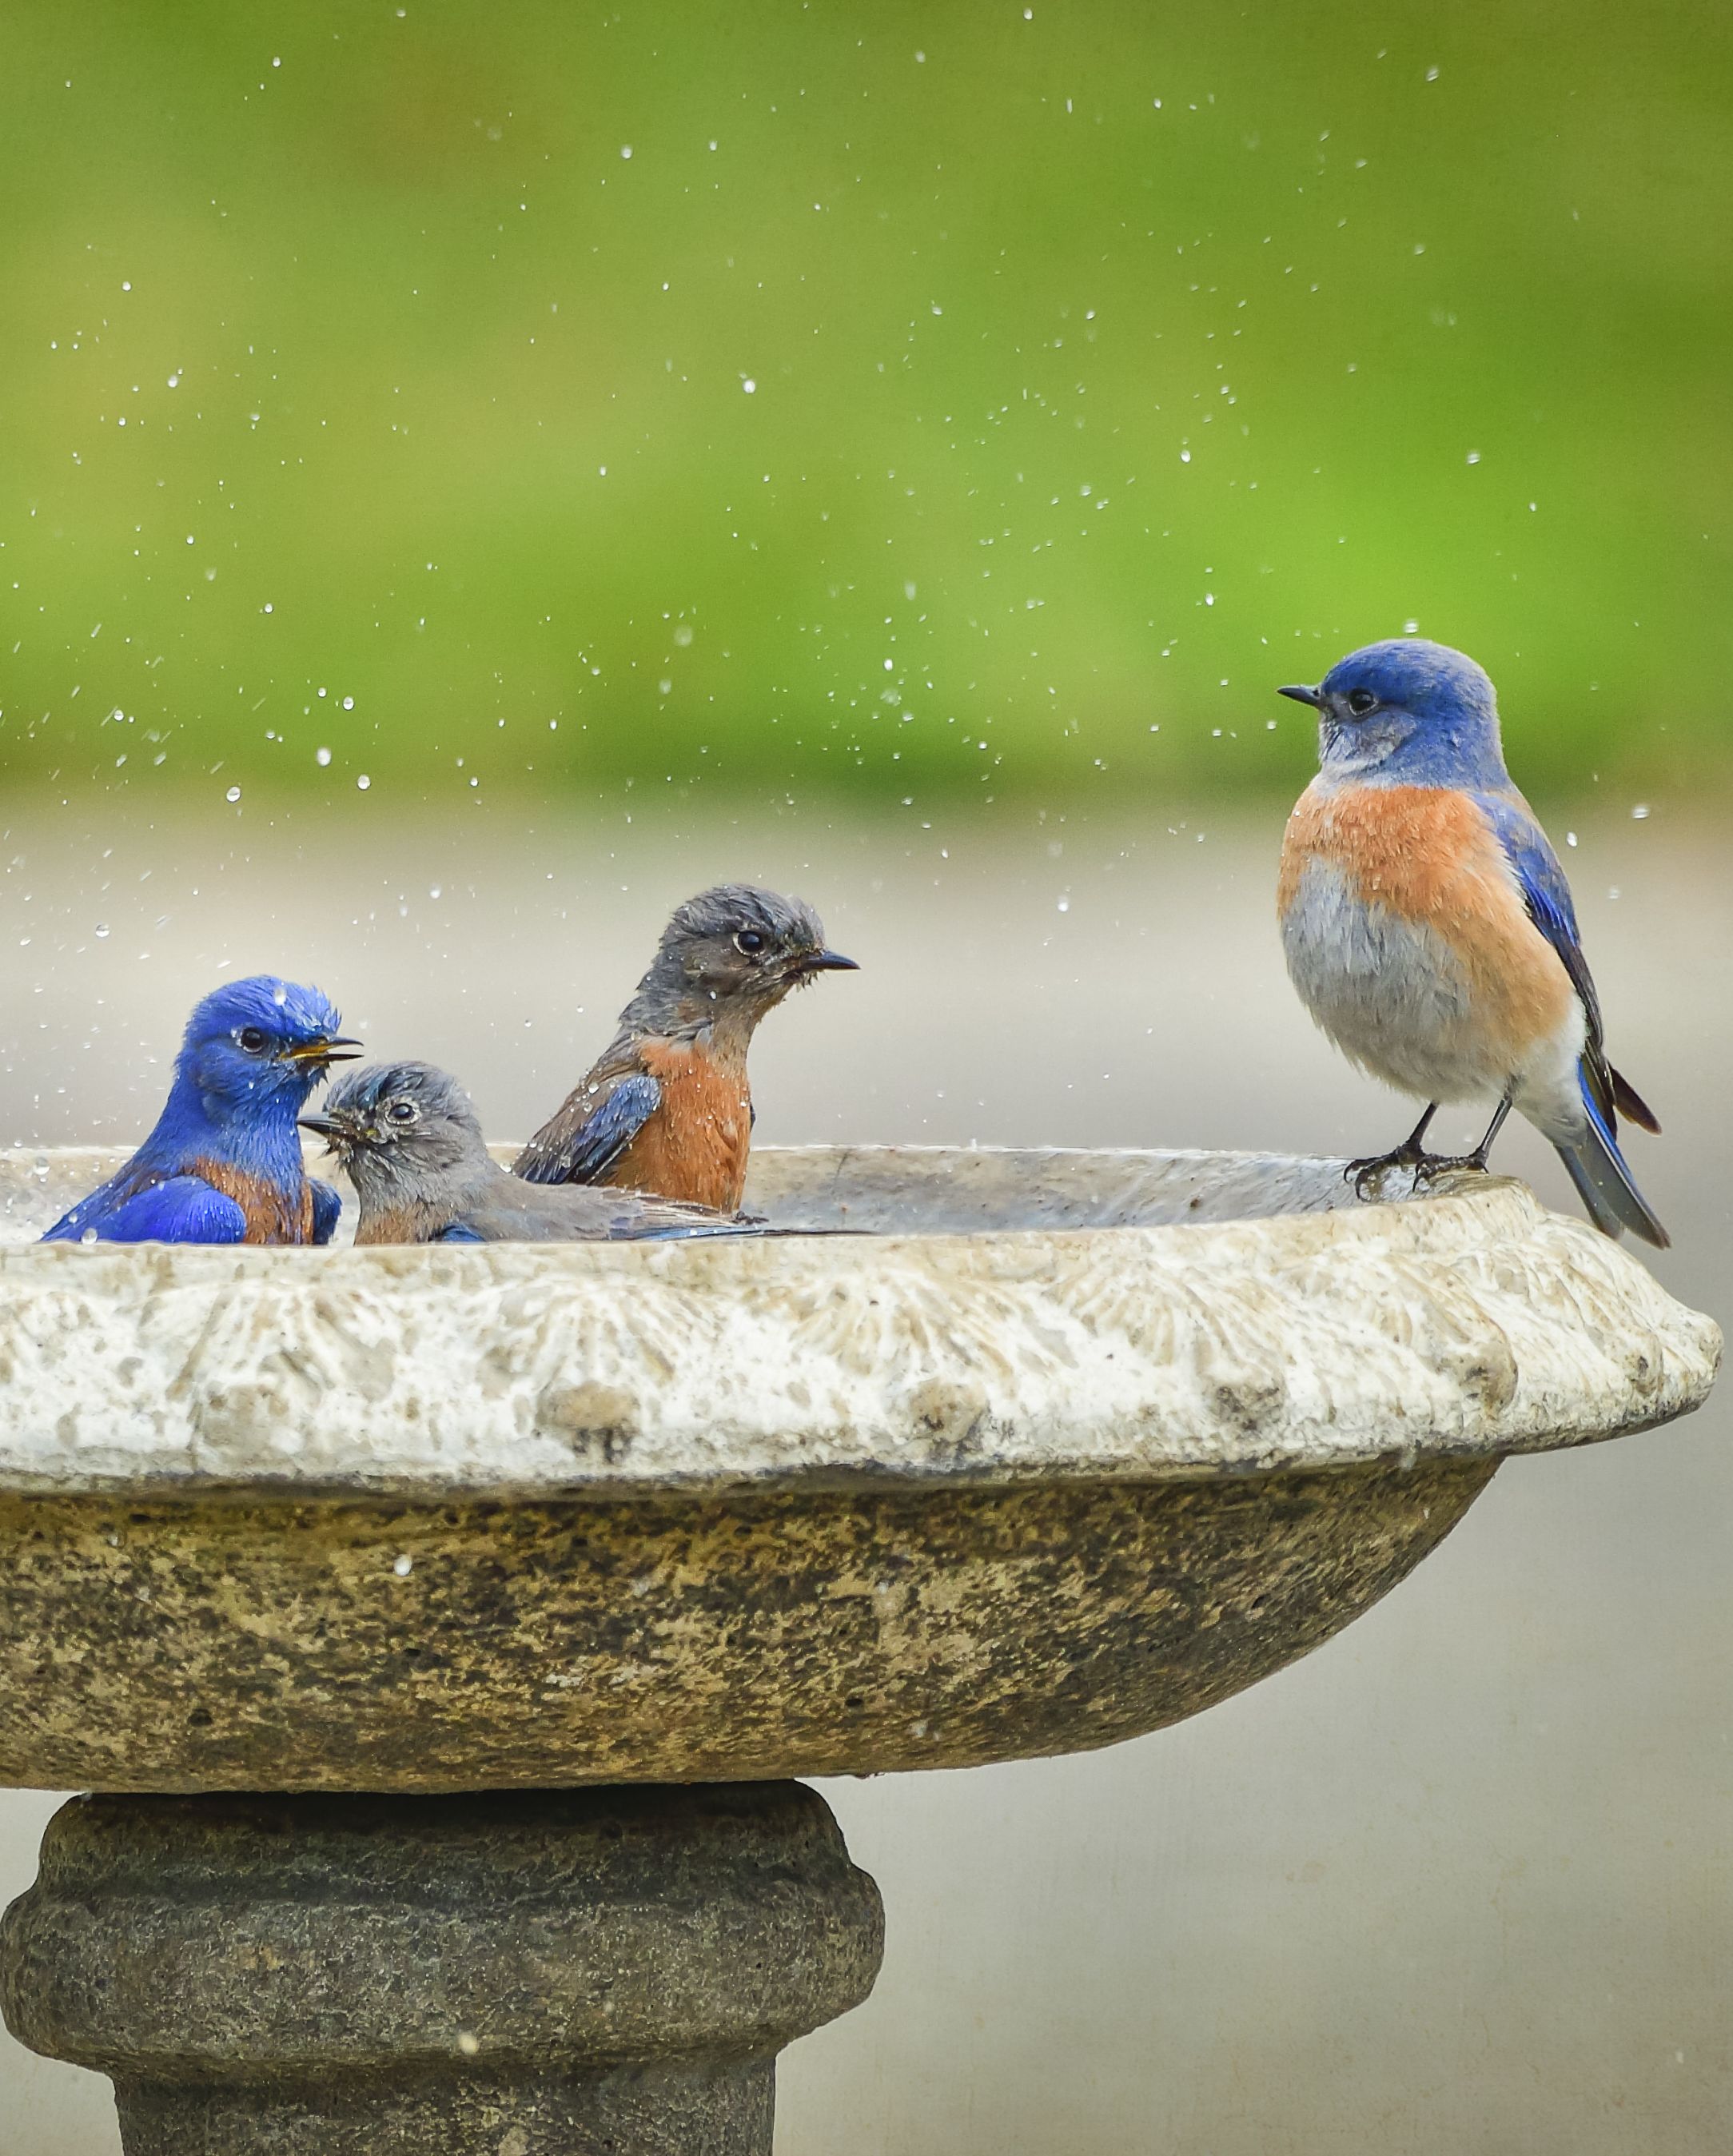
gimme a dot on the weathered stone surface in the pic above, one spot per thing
(569, 1973)
(436, 1519)
(1076, 1331)
(180, 1644)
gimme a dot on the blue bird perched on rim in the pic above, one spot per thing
(408, 1137)
(1429, 930)
(223, 1164)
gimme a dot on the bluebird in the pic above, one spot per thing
(223, 1164)
(667, 1107)
(1429, 930)
(408, 1137)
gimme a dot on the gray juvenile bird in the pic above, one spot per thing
(666, 1107)
(409, 1139)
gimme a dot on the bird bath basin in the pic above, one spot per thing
(518, 1583)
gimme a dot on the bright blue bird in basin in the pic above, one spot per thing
(223, 1164)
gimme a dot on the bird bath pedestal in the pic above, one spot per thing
(442, 1628)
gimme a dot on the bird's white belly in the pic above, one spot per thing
(1390, 992)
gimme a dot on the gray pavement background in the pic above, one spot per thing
(1459, 1885)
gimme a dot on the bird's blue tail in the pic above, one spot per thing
(1603, 1181)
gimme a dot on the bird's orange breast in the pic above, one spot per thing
(1429, 856)
(271, 1217)
(696, 1144)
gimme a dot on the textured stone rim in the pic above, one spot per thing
(1473, 1323)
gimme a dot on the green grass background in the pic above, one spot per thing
(970, 400)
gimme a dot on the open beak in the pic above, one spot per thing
(828, 962)
(1302, 695)
(331, 1127)
(329, 1048)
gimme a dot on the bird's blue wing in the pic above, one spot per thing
(460, 1231)
(587, 1152)
(183, 1209)
(1547, 896)
(92, 1209)
(327, 1206)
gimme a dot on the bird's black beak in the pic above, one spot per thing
(828, 962)
(329, 1048)
(332, 1127)
(1302, 695)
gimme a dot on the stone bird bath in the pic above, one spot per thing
(442, 1629)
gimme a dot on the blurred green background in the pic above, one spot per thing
(794, 400)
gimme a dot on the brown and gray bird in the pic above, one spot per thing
(408, 1137)
(667, 1107)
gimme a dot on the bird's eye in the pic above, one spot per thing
(1361, 701)
(252, 1039)
(749, 940)
(403, 1111)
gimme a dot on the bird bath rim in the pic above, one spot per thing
(1156, 1316)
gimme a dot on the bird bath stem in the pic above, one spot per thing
(542, 1971)
(1073, 1447)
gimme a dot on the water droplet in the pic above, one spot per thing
(362, 783)
(321, 756)
(1639, 812)
(682, 634)
(88, 1235)
(232, 795)
(468, 2043)
(404, 1566)
(102, 928)
(749, 385)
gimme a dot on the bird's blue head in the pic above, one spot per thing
(1407, 713)
(261, 1041)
